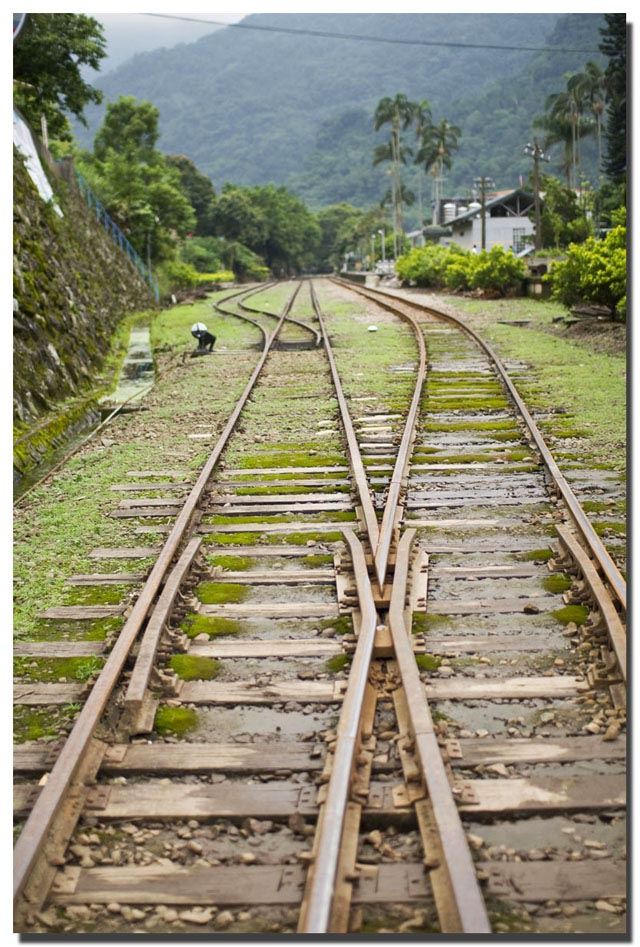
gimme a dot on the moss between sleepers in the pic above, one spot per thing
(191, 667)
(175, 720)
(220, 593)
(57, 669)
(37, 723)
(215, 627)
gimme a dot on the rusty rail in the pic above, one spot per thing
(41, 818)
(320, 898)
(464, 910)
(355, 458)
(579, 517)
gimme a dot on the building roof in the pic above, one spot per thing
(499, 197)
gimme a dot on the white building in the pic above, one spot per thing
(506, 219)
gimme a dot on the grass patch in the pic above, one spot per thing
(428, 662)
(337, 663)
(190, 667)
(55, 669)
(292, 459)
(221, 593)
(194, 625)
(423, 622)
(343, 625)
(316, 560)
(572, 613)
(231, 539)
(536, 555)
(609, 526)
(94, 594)
(439, 406)
(505, 425)
(300, 539)
(37, 723)
(175, 720)
(232, 563)
(557, 583)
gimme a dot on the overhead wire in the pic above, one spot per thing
(327, 34)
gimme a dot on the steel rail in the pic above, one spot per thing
(323, 880)
(40, 820)
(462, 881)
(612, 620)
(579, 517)
(355, 457)
(296, 322)
(403, 458)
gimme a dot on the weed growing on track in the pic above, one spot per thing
(221, 593)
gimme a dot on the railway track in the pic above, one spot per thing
(391, 730)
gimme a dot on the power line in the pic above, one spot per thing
(326, 34)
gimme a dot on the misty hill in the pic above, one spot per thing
(252, 107)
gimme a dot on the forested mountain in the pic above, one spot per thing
(253, 106)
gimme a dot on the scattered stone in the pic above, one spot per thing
(606, 906)
(297, 823)
(196, 916)
(374, 838)
(224, 919)
(475, 841)
(612, 732)
(531, 609)
(114, 907)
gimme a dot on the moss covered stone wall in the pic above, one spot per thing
(72, 285)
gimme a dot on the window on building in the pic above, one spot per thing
(518, 242)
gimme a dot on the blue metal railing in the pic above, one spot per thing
(117, 235)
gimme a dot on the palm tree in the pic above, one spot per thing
(422, 121)
(567, 109)
(398, 113)
(593, 86)
(439, 142)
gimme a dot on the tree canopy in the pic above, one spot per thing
(47, 61)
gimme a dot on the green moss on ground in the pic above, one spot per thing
(232, 563)
(423, 622)
(428, 662)
(343, 625)
(55, 669)
(37, 723)
(95, 594)
(557, 583)
(194, 625)
(316, 560)
(572, 613)
(536, 555)
(190, 667)
(338, 662)
(175, 720)
(220, 593)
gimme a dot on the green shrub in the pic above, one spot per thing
(175, 275)
(497, 270)
(459, 271)
(594, 272)
(424, 266)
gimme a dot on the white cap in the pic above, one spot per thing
(199, 327)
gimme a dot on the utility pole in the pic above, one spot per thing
(483, 183)
(536, 152)
(373, 251)
(382, 234)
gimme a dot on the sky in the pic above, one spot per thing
(131, 33)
